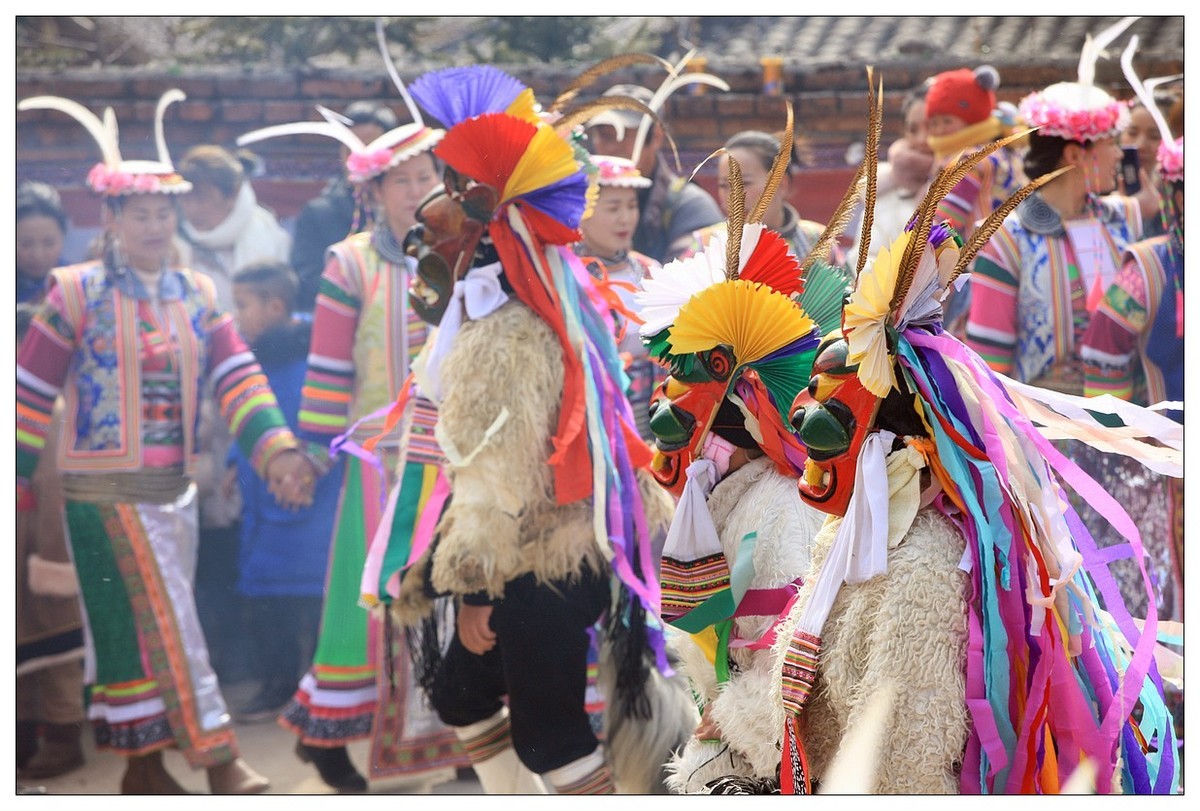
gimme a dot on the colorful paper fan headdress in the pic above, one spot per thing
(1170, 151)
(1069, 673)
(739, 347)
(114, 176)
(366, 161)
(1079, 111)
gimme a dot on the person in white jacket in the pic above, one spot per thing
(223, 227)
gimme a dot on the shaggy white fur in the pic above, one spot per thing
(503, 520)
(907, 628)
(753, 498)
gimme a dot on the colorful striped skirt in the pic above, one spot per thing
(149, 684)
(346, 695)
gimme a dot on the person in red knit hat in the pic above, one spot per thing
(961, 115)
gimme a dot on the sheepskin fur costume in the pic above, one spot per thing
(753, 498)
(906, 628)
(503, 520)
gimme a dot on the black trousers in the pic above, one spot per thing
(539, 662)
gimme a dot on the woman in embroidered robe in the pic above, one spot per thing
(365, 334)
(1039, 280)
(130, 341)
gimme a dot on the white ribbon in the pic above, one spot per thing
(692, 529)
(859, 550)
(476, 295)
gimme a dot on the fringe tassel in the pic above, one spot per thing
(425, 645)
(625, 627)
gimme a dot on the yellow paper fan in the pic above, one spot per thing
(748, 316)
(547, 159)
(866, 315)
(524, 107)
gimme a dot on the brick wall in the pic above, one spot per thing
(829, 103)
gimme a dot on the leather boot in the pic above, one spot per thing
(60, 752)
(236, 777)
(27, 742)
(146, 774)
(334, 766)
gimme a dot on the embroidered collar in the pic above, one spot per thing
(1039, 217)
(171, 284)
(384, 241)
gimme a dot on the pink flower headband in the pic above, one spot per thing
(1170, 160)
(115, 182)
(619, 172)
(1056, 119)
(367, 163)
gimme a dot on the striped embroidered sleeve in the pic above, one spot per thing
(992, 321)
(245, 398)
(1109, 346)
(43, 359)
(329, 382)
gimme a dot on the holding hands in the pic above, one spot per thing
(291, 478)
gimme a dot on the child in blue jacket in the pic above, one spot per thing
(284, 554)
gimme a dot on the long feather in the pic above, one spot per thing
(170, 97)
(589, 109)
(778, 170)
(100, 134)
(671, 85)
(837, 222)
(715, 153)
(871, 162)
(1139, 88)
(413, 110)
(335, 130)
(989, 226)
(602, 68)
(736, 219)
(1093, 48)
(946, 180)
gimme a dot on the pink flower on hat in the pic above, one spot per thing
(146, 184)
(1170, 160)
(363, 166)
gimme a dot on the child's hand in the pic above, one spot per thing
(291, 478)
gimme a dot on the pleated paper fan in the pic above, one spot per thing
(453, 95)
(524, 107)
(564, 200)
(824, 294)
(750, 318)
(547, 159)
(487, 148)
(663, 294)
(866, 317)
(787, 371)
(771, 263)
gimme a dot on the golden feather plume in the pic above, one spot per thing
(602, 68)
(736, 219)
(845, 209)
(870, 162)
(778, 170)
(946, 180)
(715, 153)
(989, 226)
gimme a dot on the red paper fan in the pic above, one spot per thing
(771, 264)
(487, 147)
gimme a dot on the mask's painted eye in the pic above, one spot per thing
(719, 362)
(821, 387)
(831, 358)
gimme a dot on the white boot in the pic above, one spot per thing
(489, 746)
(589, 774)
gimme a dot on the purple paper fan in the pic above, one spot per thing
(564, 200)
(456, 94)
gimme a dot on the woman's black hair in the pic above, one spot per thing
(40, 199)
(764, 145)
(1045, 153)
